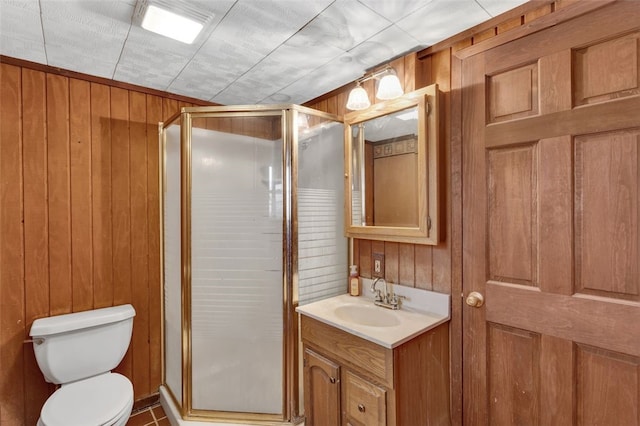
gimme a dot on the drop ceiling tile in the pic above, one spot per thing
(496, 7)
(228, 98)
(344, 24)
(147, 77)
(262, 25)
(441, 19)
(110, 18)
(160, 56)
(282, 67)
(21, 30)
(394, 10)
(387, 44)
(85, 36)
(216, 69)
(336, 73)
(202, 79)
(201, 82)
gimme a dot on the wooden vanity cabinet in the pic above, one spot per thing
(373, 385)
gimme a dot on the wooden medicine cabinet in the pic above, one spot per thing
(391, 169)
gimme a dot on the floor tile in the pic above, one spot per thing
(159, 412)
(140, 419)
(164, 422)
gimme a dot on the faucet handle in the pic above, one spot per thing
(396, 300)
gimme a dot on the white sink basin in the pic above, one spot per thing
(371, 316)
(421, 311)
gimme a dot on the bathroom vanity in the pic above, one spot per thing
(367, 365)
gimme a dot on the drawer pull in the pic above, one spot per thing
(332, 379)
(361, 408)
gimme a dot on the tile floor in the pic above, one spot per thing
(151, 416)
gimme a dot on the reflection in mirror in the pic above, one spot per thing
(390, 165)
(392, 169)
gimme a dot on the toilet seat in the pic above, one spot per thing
(98, 401)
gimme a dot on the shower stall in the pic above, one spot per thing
(253, 225)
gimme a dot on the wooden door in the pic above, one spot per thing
(551, 222)
(321, 390)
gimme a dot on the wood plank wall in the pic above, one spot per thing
(79, 220)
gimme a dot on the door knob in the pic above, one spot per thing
(475, 299)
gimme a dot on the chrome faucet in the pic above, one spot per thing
(389, 299)
(379, 297)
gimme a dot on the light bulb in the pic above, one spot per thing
(358, 99)
(389, 87)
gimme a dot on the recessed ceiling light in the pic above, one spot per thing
(170, 24)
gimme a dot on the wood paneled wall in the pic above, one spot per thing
(79, 220)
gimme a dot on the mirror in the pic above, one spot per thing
(391, 169)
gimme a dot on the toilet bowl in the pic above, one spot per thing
(78, 351)
(104, 400)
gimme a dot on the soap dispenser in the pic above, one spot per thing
(354, 281)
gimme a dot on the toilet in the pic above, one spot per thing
(78, 352)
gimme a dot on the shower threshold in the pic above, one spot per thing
(173, 414)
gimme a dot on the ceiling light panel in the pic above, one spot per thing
(177, 19)
(171, 24)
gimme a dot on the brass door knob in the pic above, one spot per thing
(475, 299)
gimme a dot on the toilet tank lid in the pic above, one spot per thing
(79, 320)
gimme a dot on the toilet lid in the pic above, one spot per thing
(94, 401)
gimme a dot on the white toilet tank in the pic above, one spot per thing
(76, 346)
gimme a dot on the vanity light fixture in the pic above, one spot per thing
(358, 98)
(388, 88)
(174, 19)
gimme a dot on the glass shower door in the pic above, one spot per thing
(172, 260)
(237, 264)
(322, 246)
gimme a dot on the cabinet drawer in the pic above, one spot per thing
(349, 350)
(364, 403)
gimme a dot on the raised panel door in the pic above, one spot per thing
(551, 225)
(321, 390)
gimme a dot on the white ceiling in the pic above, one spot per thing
(253, 51)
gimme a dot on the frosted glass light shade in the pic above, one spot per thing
(358, 99)
(389, 87)
(170, 25)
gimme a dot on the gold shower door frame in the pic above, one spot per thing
(291, 369)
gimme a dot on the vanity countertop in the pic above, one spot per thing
(422, 311)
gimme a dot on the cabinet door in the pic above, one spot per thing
(321, 390)
(364, 403)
